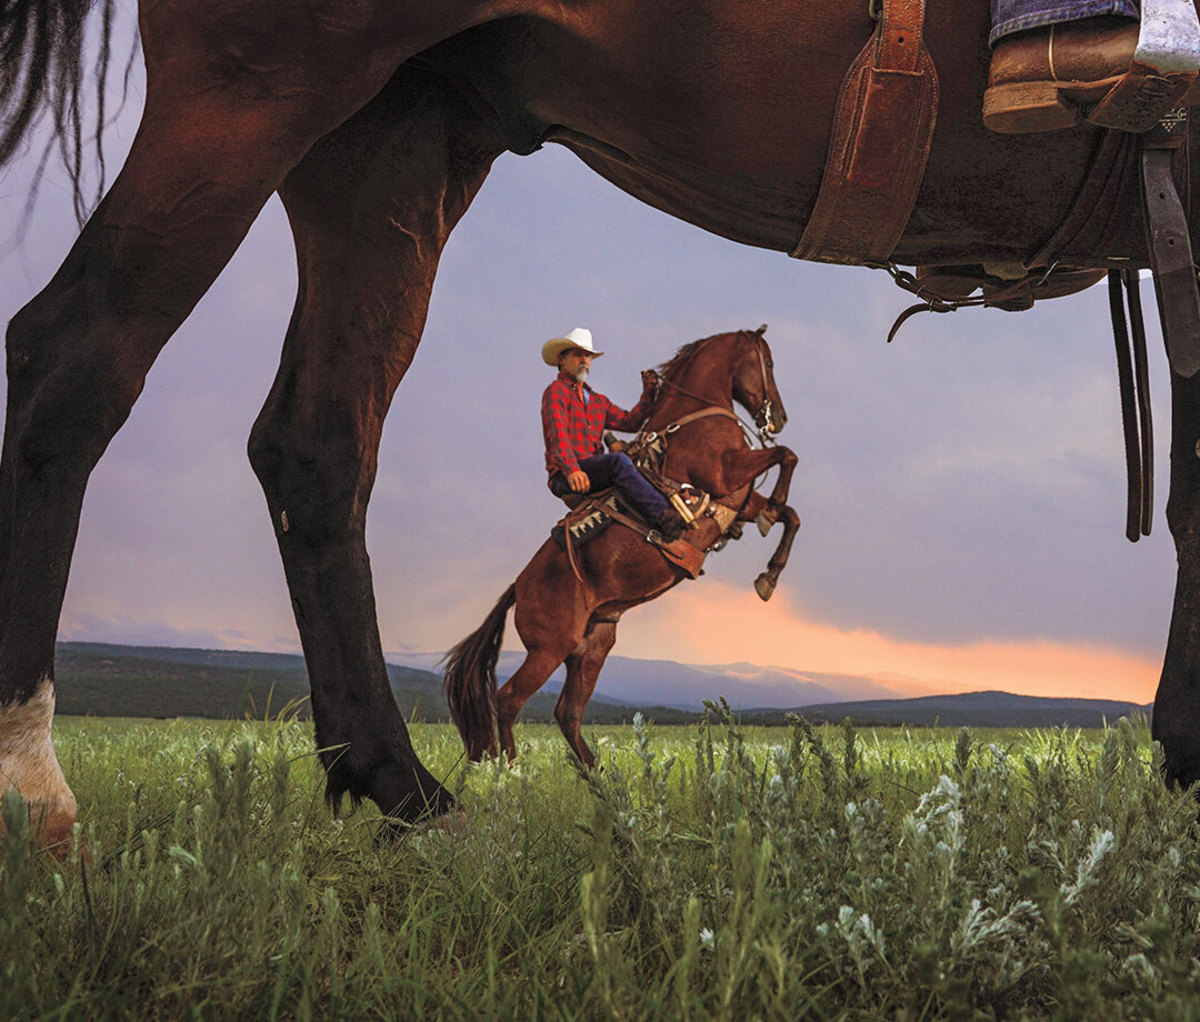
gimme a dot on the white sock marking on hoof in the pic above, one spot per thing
(28, 763)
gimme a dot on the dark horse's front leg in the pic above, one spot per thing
(1177, 703)
(200, 168)
(371, 206)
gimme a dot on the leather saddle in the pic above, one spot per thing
(589, 524)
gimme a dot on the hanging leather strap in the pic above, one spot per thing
(1171, 251)
(879, 145)
(1133, 378)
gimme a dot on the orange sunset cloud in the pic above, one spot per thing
(716, 624)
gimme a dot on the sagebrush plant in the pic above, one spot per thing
(712, 872)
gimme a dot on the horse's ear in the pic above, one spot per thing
(761, 330)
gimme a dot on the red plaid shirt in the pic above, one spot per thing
(573, 428)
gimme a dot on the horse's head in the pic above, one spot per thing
(754, 383)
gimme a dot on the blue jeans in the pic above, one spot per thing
(618, 471)
(1010, 16)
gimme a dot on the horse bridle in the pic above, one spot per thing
(764, 413)
(768, 426)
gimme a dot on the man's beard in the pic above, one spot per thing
(581, 374)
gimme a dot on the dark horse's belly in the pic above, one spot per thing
(727, 127)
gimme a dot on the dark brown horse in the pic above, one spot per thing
(377, 122)
(568, 616)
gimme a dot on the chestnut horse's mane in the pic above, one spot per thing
(681, 356)
(686, 352)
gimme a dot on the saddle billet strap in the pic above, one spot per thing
(1175, 283)
(879, 144)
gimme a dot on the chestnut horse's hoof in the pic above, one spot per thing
(764, 585)
(764, 524)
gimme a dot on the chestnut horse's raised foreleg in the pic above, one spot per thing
(756, 509)
(209, 152)
(583, 670)
(371, 207)
(1176, 721)
(743, 466)
(740, 468)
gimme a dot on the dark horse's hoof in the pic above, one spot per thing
(393, 831)
(764, 585)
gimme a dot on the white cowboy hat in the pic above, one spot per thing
(577, 338)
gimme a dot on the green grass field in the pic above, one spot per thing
(720, 872)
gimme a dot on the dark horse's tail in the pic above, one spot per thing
(44, 67)
(470, 679)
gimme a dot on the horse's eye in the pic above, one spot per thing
(770, 364)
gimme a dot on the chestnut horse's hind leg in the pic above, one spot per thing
(583, 670)
(200, 169)
(551, 616)
(370, 206)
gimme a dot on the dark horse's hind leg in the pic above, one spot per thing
(1177, 703)
(583, 670)
(371, 207)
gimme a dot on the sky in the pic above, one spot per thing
(961, 490)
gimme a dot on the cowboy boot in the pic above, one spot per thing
(1048, 78)
(1106, 70)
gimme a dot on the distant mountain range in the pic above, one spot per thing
(686, 686)
(101, 679)
(108, 680)
(974, 709)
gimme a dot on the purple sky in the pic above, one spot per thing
(962, 486)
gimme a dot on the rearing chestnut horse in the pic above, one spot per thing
(377, 122)
(564, 616)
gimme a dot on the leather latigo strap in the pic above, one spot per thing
(1171, 259)
(882, 132)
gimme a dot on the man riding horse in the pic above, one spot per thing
(1054, 62)
(574, 418)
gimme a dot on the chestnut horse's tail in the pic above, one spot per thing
(470, 679)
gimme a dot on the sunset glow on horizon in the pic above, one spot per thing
(721, 624)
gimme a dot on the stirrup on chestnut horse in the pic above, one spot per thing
(1108, 71)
